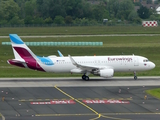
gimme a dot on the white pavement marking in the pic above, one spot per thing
(77, 82)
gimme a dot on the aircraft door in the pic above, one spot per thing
(136, 63)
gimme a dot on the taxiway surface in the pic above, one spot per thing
(77, 81)
(60, 99)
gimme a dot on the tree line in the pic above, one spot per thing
(24, 12)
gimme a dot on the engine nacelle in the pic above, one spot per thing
(107, 73)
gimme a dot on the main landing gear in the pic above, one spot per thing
(135, 77)
(84, 77)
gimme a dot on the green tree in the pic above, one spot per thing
(84, 21)
(21, 4)
(3, 22)
(30, 8)
(152, 17)
(125, 8)
(41, 5)
(143, 12)
(50, 8)
(16, 20)
(57, 10)
(28, 19)
(59, 20)
(77, 21)
(38, 20)
(8, 9)
(68, 19)
(74, 8)
(113, 8)
(48, 20)
(132, 15)
(100, 13)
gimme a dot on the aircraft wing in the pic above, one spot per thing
(89, 68)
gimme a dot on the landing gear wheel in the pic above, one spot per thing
(87, 78)
(84, 77)
(135, 77)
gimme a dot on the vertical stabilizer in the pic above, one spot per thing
(24, 57)
(20, 49)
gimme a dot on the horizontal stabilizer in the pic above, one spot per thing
(16, 61)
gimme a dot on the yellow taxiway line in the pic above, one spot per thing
(94, 111)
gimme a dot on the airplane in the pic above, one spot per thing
(103, 66)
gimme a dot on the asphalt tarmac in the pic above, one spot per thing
(79, 102)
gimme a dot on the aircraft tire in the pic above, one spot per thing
(135, 77)
(87, 78)
(84, 77)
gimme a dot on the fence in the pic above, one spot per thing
(59, 43)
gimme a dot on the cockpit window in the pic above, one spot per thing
(145, 60)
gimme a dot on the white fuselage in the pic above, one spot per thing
(117, 63)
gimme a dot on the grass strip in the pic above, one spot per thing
(154, 92)
(80, 30)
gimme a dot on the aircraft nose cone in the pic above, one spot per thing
(153, 65)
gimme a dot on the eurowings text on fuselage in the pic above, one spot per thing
(104, 66)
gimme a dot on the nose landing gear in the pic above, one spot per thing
(135, 77)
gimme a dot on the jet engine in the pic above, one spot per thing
(107, 73)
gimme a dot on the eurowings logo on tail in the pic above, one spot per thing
(24, 57)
